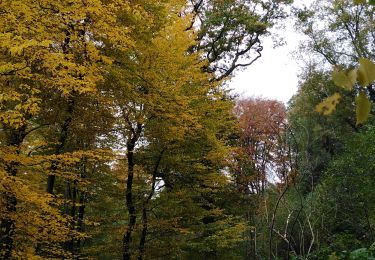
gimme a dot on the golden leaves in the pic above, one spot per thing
(46, 47)
(363, 107)
(364, 76)
(16, 107)
(344, 79)
(328, 105)
(17, 50)
(366, 72)
(359, 2)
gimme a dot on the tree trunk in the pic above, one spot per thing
(81, 212)
(74, 217)
(129, 204)
(61, 143)
(142, 241)
(7, 225)
(81, 207)
(131, 142)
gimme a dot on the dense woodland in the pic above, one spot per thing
(120, 138)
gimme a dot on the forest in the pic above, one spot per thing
(120, 137)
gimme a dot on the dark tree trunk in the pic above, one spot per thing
(131, 142)
(142, 241)
(81, 212)
(73, 210)
(129, 204)
(61, 143)
(81, 207)
(51, 182)
(7, 225)
(67, 199)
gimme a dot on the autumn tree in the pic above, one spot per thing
(51, 56)
(261, 155)
(263, 172)
(152, 131)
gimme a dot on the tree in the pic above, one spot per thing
(164, 102)
(263, 172)
(342, 204)
(339, 31)
(229, 32)
(56, 57)
(317, 139)
(262, 154)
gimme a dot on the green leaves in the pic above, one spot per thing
(363, 107)
(366, 72)
(344, 79)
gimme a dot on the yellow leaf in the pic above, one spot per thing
(359, 2)
(363, 108)
(366, 72)
(344, 80)
(328, 105)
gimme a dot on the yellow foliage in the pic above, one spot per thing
(328, 105)
(363, 108)
(48, 48)
(129, 58)
(366, 72)
(365, 76)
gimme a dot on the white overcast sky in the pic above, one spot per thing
(275, 74)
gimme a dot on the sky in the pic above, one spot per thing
(275, 74)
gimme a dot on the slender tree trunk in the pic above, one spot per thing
(61, 143)
(81, 207)
(7, 225)
(73, 215)
(51, 182)
(271, 228)
(66, 124)
(142, 241)
(129, 203)
(81, 212)
(131, 142)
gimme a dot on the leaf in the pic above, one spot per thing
(344, 80)
(366, 72)
(371, 2)
(328, 105)
(363, 108)
(358, 2)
